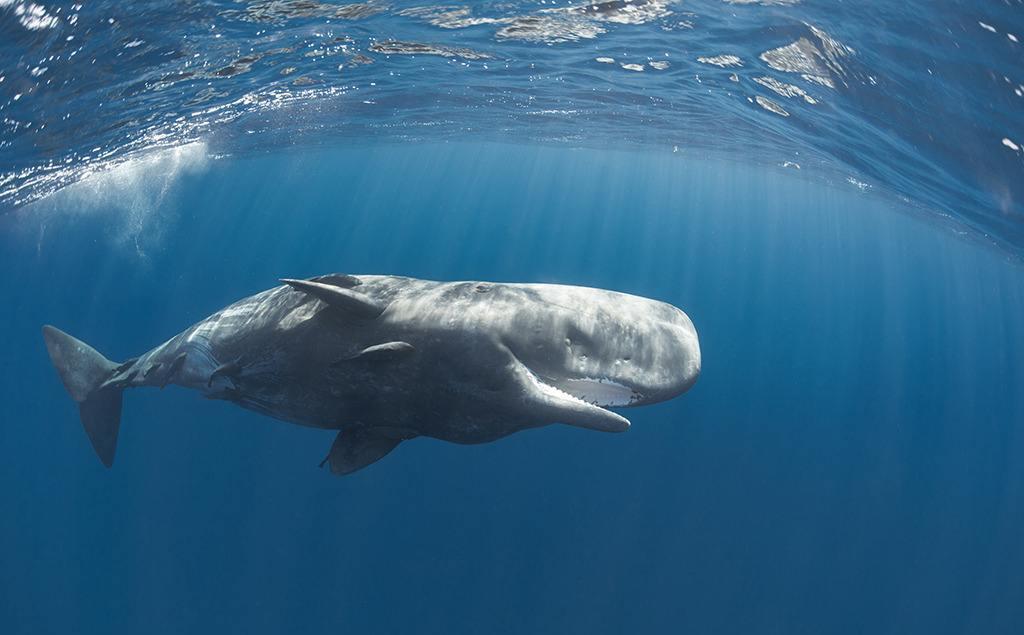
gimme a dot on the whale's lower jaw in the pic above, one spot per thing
(560, 406)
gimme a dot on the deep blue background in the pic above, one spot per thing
(851, 460)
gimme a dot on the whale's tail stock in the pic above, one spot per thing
(85, 373)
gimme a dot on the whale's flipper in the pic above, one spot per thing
(229, 370)
(354, 302)
(84, 371)
(355, 448)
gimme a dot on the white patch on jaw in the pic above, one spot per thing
(601, 392)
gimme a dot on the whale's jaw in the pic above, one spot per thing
(556, 405)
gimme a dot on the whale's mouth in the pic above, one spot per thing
(581, 402)
(599, 391)
(595, 391)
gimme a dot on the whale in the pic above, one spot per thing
(385, 359)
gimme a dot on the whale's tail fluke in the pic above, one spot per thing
(84, 372)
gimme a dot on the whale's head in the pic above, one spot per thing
(601, 348)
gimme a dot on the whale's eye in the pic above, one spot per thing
(483, 287)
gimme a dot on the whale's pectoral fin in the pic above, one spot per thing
(229, 370)
(387, 352)
(355, 448)
(354, 302)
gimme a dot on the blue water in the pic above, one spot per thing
(850, 461)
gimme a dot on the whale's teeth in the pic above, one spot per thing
(603, 391)
(617, 395)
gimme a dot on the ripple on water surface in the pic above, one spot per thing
(770, 81)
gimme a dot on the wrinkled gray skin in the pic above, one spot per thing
(392, 358)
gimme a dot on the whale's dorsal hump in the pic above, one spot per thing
(354, 302)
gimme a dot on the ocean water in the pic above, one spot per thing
(837, 207)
